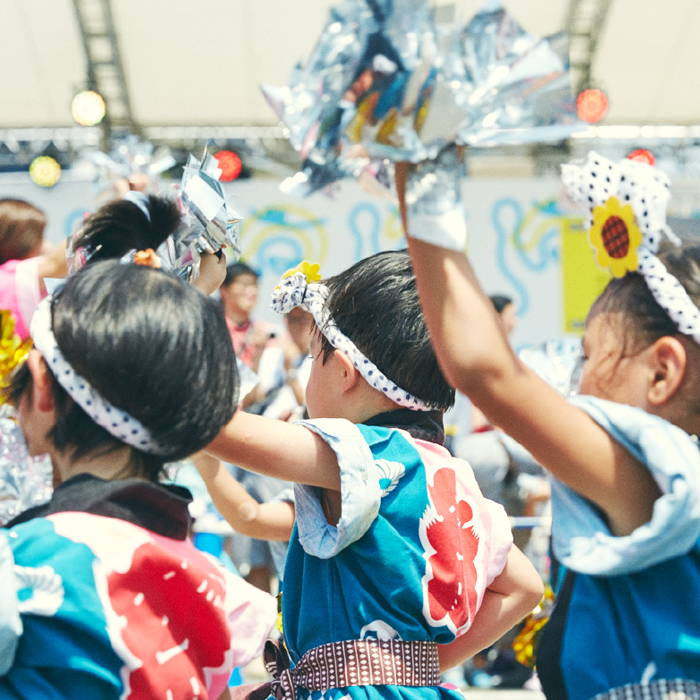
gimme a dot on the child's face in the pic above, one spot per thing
(35, 423)
(322, 384)
(607, 374)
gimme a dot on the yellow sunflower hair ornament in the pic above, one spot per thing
(615, 237)
(626, 204)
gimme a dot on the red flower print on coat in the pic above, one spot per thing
(452, 552)
(175, 622)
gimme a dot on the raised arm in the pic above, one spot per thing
(264, 521)
(477, 359)
(276, 448)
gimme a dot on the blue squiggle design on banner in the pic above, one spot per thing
(548, 252)
(280, 217)
(546, 248)
(355, 230)
(501, 246)
(276, 262)
(547, 244)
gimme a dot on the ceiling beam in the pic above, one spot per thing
(584, 24)
(105, 71)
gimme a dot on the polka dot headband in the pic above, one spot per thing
(114, 420)
(302, 287)
(627, 215)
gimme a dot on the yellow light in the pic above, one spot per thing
(88, 108)
(45, 171)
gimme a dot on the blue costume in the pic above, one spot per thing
(103, 595)
(627, 608)
(414, 550)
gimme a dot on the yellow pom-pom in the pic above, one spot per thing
(13, 350)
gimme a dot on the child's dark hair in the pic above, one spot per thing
(120, 226)
(644, 320)
(235, 270)
(375, 303)
(21, 229)
(149, 344)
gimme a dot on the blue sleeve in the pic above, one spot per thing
(10, 622)
(580, 537)
(359, 489)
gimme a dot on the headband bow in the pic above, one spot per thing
(627, 216)
(301, 287)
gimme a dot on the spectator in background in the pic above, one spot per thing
(250, 338)
(284, 369)
(23, 266)
(239, 294)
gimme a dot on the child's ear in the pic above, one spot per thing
(350, 375)
(42, 382)
(669, 360)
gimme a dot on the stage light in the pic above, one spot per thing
(643, 155)
(88, 108)
(592, 105)
(230, 165)
(45, 171)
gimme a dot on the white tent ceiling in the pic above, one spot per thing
(200, 63)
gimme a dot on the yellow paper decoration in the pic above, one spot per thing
(13, 350)
(310, 270)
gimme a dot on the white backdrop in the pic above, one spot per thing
(516, 230)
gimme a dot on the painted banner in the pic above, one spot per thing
(522, 241)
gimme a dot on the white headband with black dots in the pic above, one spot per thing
(293, 291)
(114, 420)
(622, 197)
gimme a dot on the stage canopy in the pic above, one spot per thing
(184, 63)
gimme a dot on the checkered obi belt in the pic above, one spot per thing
(344, 664)
(674, 689)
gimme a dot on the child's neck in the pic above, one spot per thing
(113, 465)
(366, 404)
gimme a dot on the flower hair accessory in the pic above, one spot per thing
(114, 420)
(627, 215)
(301, 287)
(147, 257)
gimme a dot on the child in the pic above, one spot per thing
(140, 222)
(626, 498)
(103, 594)
(395, 558)
(23, 267)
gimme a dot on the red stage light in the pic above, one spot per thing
(230, 165)
(643, 156)
(592, 105)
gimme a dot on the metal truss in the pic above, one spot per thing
(105, 72)
(584, 23)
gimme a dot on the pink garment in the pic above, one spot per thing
(20, 291)
(177, 618)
